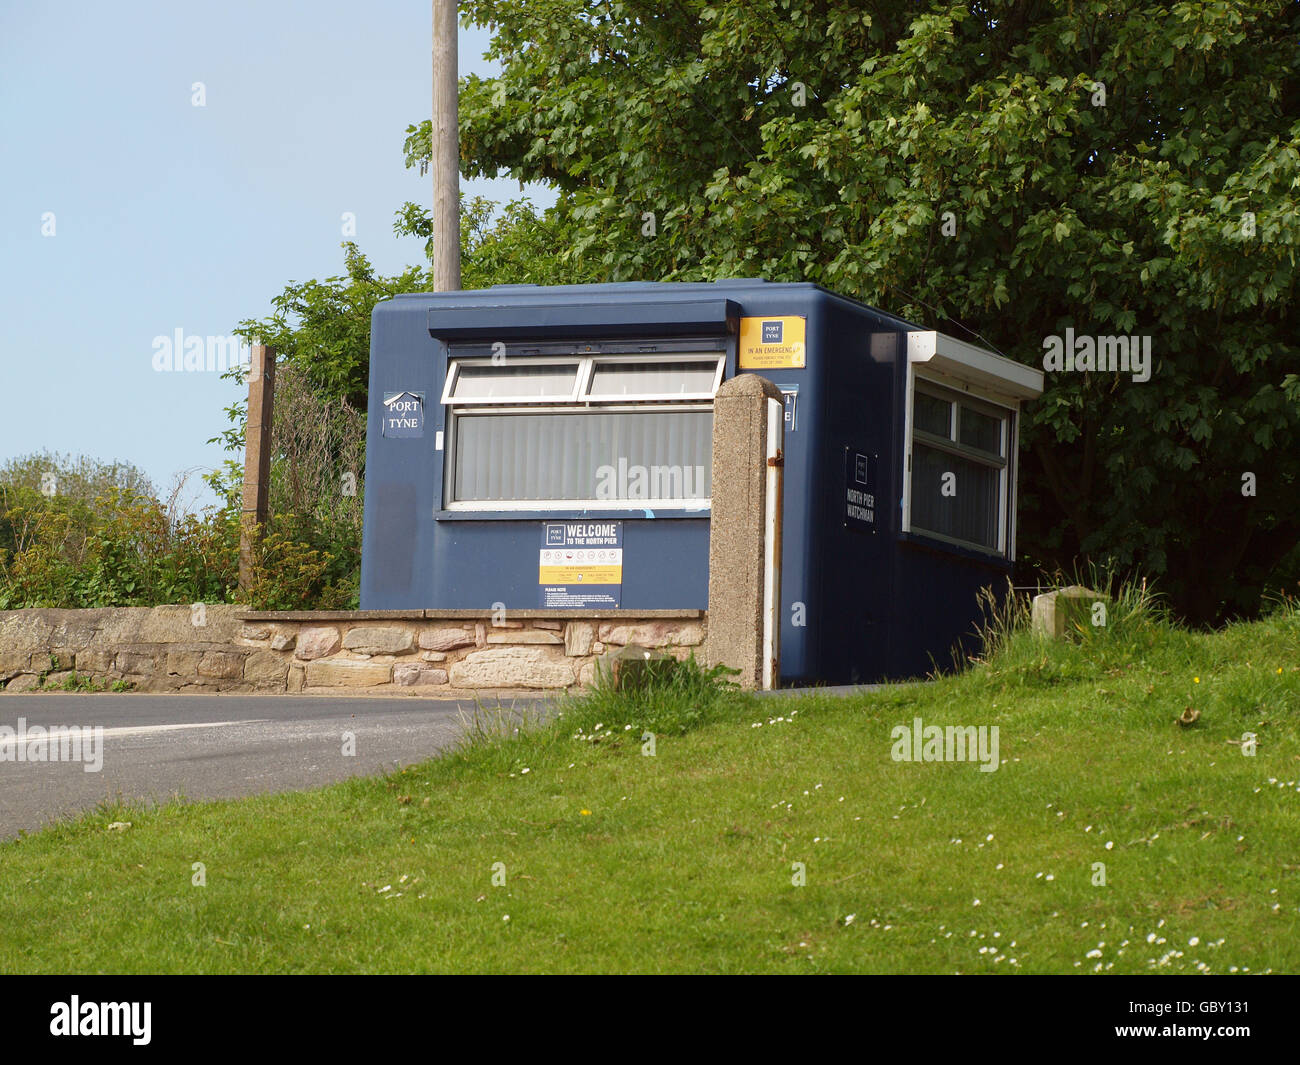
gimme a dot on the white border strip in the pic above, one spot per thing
(771, 545)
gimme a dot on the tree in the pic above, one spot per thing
(1002, 171)
(510, 244)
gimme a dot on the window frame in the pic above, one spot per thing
(654, 397)
(449, 399)
(983, 403)
(581, 392)
(580, 401)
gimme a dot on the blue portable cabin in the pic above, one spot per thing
(497, 413)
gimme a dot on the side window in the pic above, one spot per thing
(959, 480)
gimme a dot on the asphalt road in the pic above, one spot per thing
(156, 747)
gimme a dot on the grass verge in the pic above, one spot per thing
(666, 833)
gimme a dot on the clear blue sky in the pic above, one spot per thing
(169, 216)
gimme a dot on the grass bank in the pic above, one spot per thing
(581, 847)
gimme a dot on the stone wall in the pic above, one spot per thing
(231, 649)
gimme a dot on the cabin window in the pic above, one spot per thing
(598, 432)
(959, 468)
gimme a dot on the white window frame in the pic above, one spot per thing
(649, 397)
(453, 379)
(957, 394)
(581, 392)
(578, 402)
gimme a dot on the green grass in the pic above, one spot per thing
(682, 861)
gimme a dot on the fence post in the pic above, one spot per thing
(257, 456)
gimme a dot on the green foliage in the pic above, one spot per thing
(291, 574)
(672, 702)
(127, 548)
(121, 549)
(77, 477)
(323, 328)
(510, 244)
(81, 682)
(97, 536)
(830, 143)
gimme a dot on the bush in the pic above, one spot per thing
(123, 547)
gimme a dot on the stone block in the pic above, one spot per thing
(407, 676)
(342, 673)
(131, 663)
(633, 667)
(1066, 613)
(525, 637)
(654, 633)
(95, 661)
(12, 662)
(578, 638)
(182, 663)
(222, 665)
(168, 624)
(58, 658)
(513, 667)
(445, 639)
(24, 633)
(262, 666)
(379, 640)
(317, 642)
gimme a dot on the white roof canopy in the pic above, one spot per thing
(956, 358)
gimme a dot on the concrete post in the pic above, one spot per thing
(745, 531)
(1068, 612)
(257, 455)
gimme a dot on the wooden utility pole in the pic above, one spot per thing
(445, 150)
(257, 456)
